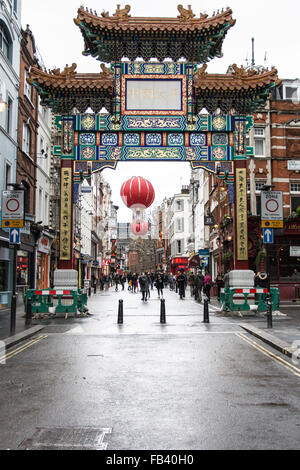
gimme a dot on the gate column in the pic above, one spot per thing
(66, 194)
(241, 261)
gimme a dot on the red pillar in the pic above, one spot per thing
(66, 215)
(241, 260)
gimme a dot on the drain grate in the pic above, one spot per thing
(67, 439)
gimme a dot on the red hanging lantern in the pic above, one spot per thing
(137, 193)
(140, 228)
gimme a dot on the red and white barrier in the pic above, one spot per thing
(52, 292)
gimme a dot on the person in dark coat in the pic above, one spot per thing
(199, 286)
(144, 286)
(181, 282)
(159, 284)
(220, 283)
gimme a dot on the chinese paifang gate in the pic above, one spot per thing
(153, 108)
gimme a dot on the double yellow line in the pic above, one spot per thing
(18, 350)
(274, 357)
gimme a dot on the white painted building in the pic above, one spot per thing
(43, 165)
(179, 226)
(10, 38)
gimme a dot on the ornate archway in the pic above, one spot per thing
(153, 108)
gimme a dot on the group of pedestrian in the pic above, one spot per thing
(144, 282)
(201, 284)
(119, 279)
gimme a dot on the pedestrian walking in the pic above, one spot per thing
(135, 282)
(181, 282)
(220, 283)
(207, 285)
(149, 284)
(122, 281)
(129, 279)
(152, 279)
(199, 281)
(191, 282)
(144, 286)
(159, 284)
(117, 281)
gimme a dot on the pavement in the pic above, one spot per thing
(283, 337)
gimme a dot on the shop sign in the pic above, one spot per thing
(180, 261)
(44, 245)
(295, 251)
(241, 214)
(292, 227)
(209, 220)
(294, 165)
(203, 252)
(66, 214)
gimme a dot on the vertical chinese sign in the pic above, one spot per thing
(66, 214)
(241, 214)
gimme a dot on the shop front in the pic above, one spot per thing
(179, 264)
(6, 262)
(284, 260)
(43, 262)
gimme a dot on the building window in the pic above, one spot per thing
(46, 209)
(259, 141)
(179, 225)
(295, 187)
(8, 115)
(27, 86)
(295, 197)
(7, 175)
(259, 186)
(26, 196)
(5, 41)
(292, 93)
(179, 247)
(26, 139)
(179, 205)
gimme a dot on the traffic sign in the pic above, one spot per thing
(268, 234)
(271, 205)
(272, 223)
(14, 236)
(12, 209)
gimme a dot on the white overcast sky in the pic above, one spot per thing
(274, 24)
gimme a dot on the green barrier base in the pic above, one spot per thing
(228, 304)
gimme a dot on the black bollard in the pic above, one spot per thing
(90, 291)
(28, 311)
(120, 313)
(205, 310)
(95, 288)
(13, 313)
(163, 311)
(269, 311)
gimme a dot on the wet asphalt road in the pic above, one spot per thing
(183, 385)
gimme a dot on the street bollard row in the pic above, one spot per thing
(162, 312)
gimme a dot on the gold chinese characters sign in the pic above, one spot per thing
(154, 95)
(66, 214)
(241, 215)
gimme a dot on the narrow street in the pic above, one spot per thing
(144, 385)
